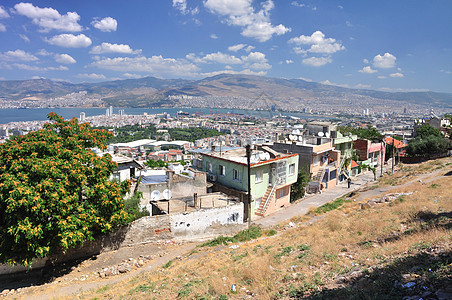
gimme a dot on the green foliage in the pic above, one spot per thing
(426, 130)
(168, 264)
(249, 234)
(131, 133)
(331, 205)
(132, 207)
(428, 146)
(368, 133)
(271, 232)
(297, 190)
(156, 164)
(55, 192)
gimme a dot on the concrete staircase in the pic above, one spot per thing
(265, 200)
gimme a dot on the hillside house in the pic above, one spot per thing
(370, 153)
(272, 174)
(317, 156)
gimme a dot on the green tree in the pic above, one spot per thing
(368, 133)
(426, 130)
(156, 164)
(297, 190)
(55, 192)
(428, 146)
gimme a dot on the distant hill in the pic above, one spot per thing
(151, 91)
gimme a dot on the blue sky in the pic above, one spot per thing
(383, 45)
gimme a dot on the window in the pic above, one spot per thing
(315, 160)
(237, 175)
(259, 176)
(291, 169)
(282, 192)
(222, 170)
(209, 167)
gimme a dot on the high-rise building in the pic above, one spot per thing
(82, 117)
(111, 110)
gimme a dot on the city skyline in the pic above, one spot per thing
(387, 46)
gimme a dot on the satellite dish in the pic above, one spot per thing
(262, 156)
(267, 156)
(290, 137)
(155, 195)
(167, 194)
(320, 134)
(300, 138)
(327, 134)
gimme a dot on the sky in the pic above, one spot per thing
(392, 45)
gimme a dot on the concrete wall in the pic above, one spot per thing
(206, 222)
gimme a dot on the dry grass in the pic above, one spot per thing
(306, 260)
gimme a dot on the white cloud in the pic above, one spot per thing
(366, 61)
(249, 48)
(362, 86)
(181, 5)
(254, 60)
(44, 52)
(48, 18)
(445, 71)
(241, 13)
(134, 76)
(113, 48)
(295, 3)
(217, 57)
(385, 61)
(289, 61)
(156, 65)
(317, 61)
(214, 36)
(243, 72)
(106, 24)
(17, 55)
(237, 47)
(3, 13)
(36, 68)
(397, 75)
(368, 70)
(92, 76)
(318, 42)
(2, 28)
(64, 59)
(24, 37)
(327, 82)
(70, 40)
(381, 77)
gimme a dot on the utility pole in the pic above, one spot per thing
(393, 158)
(382, 159)
(248, 160)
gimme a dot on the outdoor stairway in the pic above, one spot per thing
(320, 175)
(264, 202)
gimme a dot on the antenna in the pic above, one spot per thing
(167, 194)
(155, 195)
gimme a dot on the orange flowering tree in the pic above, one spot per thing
(55, 192)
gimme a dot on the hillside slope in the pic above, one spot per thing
(346, 249)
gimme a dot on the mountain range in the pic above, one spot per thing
(154, 92)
